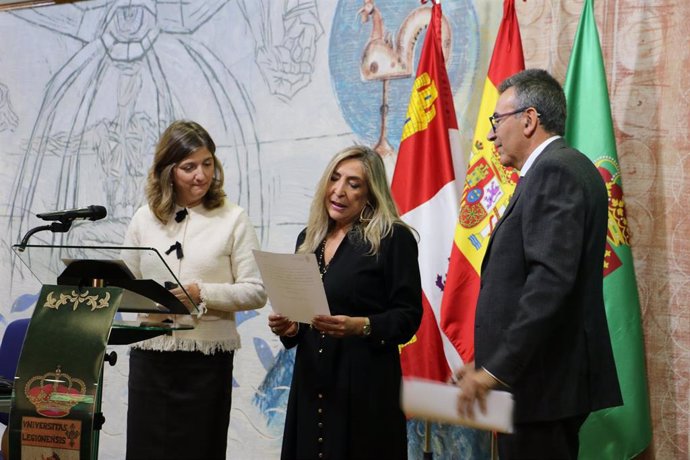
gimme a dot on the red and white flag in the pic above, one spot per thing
(424, 188)
(487, 189)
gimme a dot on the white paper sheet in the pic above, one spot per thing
(293, 284)
(438, 401)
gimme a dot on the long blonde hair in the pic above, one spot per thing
(378, 216)
(177, 142)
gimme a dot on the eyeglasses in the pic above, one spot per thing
(494, 119)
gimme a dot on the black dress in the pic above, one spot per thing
(345, 395)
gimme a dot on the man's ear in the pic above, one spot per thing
(530, 127)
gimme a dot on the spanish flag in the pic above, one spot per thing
(487, 189)
(424, 189)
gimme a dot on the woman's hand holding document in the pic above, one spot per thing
(437, 401)
(293, 285)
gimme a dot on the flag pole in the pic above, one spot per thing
(428, 453)
(494, 445)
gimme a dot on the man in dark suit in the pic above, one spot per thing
(540, 326)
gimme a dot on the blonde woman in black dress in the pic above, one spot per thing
(345, 395)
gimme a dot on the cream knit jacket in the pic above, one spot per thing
(217, 246)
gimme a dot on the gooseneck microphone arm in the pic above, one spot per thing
(63, 220)
(55, 227)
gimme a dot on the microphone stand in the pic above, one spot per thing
(55, 227)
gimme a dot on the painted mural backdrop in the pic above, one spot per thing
(281, 85)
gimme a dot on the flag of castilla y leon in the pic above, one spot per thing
(487, 189)
(425, 191)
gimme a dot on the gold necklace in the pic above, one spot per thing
(323, 266)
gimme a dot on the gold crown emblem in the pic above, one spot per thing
(54, 393)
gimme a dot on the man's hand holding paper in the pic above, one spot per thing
(439, 401)
(474, 385)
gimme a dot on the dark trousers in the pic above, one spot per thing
(552, 440)
(179, 405)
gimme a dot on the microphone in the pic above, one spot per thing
(93, 212)
(177, 247)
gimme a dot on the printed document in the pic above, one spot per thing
(437, 401)
(293, 284)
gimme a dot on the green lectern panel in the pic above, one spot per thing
(58, 377)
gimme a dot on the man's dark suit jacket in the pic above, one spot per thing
(540, 324)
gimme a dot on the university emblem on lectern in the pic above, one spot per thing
(53, 394)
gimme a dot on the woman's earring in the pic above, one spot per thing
(361, 213)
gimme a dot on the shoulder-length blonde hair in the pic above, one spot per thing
(378, 216)
(177, 142)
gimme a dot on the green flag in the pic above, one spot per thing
(621, 432)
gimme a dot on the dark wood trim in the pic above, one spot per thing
(11, 5)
